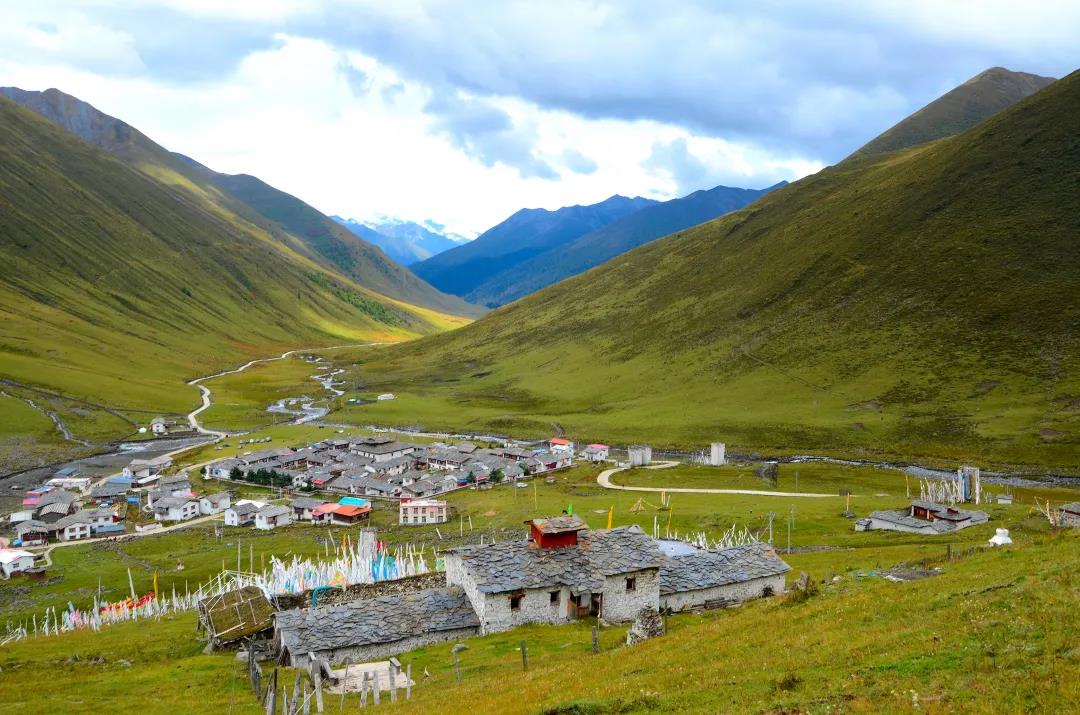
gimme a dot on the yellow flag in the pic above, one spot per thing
(611, 516)
(155, 584)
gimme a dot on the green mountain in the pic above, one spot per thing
(116, 286)
(290, 220)
(958, 110)
(923, 303)
(527, 233)
(595, 247)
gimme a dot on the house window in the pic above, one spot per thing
(631, 583)
(554, 597)
(516, 598)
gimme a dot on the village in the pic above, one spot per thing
(365, 606)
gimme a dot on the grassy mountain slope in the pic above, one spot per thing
(242, 197)
(958, 110)
(924, 303)
(525, 234)
(595, 247)
(116, 287)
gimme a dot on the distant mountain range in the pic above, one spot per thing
(527, 233)
(405, 241)
(604, 243)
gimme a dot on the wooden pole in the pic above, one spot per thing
(595, 639)
(457, 668)
(296, 692)
(363, 689)
(317, 677)
(344, 682)
(393, 684)
(408, 681)
(524, 657)
(375, 686)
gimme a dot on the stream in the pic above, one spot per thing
(309, 409)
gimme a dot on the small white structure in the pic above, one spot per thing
(386, 396)
(561, 444)
(640, 455)
(13, 561)
(718, 454)
(271, 517)
(596, 452)
(157, 426)
(214, 503)
(1000, 538)
(222, 468)
(72, 528)
(423, 511)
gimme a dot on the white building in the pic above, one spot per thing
(176, 509)
(214, 503)
(72, 528)
(380, 449)
(13, 561)
(423, 511)
(718, 454)
(640, 455)
(222, 469)
(923, 517)
(271, 517)
(157, 426)
(240, 514)
(596, 452)
(561, 444)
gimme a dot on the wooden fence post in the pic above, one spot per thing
(375, 686)
(296, 693)
(393, 684)
(317, 678)
(344, 683)
(408, 681)
(524, 657)
(595, 639)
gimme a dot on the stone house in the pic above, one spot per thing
(222, 469)
(697, 579)
(381, 449)
(923, 517)
(303, 507)
(596, 452)
(562, 572)
(373, 628)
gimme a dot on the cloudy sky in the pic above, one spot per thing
(463, 112)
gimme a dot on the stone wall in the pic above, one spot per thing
(534, 607)
(730, 592)
(620, 605)
(335, 595)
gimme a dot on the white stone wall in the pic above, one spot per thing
(456, 575)
(620, 605)
(734, 591)
(535, 607)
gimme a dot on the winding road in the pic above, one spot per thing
(193, 416)
(604, 480)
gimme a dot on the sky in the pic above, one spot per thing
(459, 113)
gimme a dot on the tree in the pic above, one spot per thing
(497, 476)
(235, 474)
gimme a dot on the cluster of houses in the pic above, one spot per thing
(347, 511)
(923, 517)
(385, 468)
(560, 572)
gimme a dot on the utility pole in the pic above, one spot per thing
(771, 515)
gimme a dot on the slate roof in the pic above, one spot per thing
(939, 525)
(514, 565)
(380, 447)
(244, 509)
(707, 569)
(384, 619)
(67, 521)
(31, 526)
(166, 503)
(216, 499)
(56, 496)
(305, 503)
(54, 508)
(269, 512)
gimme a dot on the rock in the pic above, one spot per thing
(242, 656)
(802, 582)
(648, 624)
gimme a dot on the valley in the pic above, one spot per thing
(778, 426)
